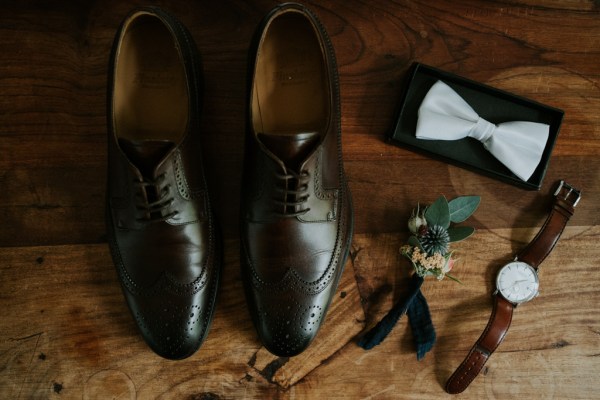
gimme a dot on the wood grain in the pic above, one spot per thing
(67, 327)
(65, 331)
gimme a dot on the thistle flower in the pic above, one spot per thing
(435, 240)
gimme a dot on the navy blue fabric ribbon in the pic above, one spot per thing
(415, 305)
(421, 325)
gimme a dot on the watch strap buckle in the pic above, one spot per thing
(568, 193)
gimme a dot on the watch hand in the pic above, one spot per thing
(517, 283)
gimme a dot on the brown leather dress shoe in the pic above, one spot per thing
(296, 217)
(161, 229)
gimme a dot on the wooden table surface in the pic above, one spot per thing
(65, 331)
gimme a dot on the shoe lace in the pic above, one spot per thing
(153, 198)
(292, 194)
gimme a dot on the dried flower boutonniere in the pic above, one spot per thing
(428, 250)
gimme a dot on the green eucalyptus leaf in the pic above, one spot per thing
(413, 241)
(438, 213)
(462, 207)
(458, 233)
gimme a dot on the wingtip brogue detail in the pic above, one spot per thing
(172, 329)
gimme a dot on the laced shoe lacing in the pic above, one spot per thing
(153, 199)
(292, 194)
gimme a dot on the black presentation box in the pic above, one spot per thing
(490, 103)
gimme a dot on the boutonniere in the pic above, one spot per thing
(429, 253)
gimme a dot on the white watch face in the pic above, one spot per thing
(517, 282)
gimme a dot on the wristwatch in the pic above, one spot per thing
(516, 283)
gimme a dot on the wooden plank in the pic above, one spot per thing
(66, 329)
(52, 113)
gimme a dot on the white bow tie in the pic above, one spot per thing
(444, 115)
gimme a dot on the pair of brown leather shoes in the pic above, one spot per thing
(296, 213)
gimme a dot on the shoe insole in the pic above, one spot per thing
(150, 93)
(290, 85)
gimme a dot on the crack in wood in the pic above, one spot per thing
(252, 360)
(556, 345)
(39, 335)
(560, 344)
(205, 396)
(25, 337)
(354, 253)
(45, 206)
(271, 369)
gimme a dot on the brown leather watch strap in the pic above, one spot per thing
(566, 198)
(491, 337)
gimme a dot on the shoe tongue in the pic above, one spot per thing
(291, 148)
(146, 154)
